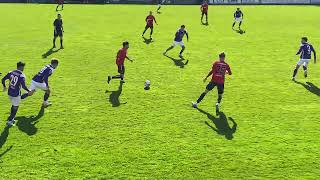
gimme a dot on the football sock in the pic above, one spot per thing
(151, 32)
(116, 77)
(13, 112)
(46, 96)
(219, 99)
(240, 24)
(233, 24)
(181, 51)
(144, 32)
(61, 42)
(304, 68)
(54, 41)
(295, 72)
(24, 96)
(201, 97)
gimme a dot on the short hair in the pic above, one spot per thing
(54, 61)
(183, 26)
(59, 14)
(221, 55)
(305, 39)
(20, 64)
(125, 43)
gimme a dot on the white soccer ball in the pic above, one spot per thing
(147, 83)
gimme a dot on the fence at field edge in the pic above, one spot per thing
(168, 2)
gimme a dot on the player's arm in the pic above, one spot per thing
(4, 82)
(129, 59)
(299, 51)
(314, 54)
(155, 21)
(46, 78)
(242, 15)
(62, 27)
(234, 15)
(229, 70)
(54, 26)
(23, 85)
(209, 74)
(187, 36)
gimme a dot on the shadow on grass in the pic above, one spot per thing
(6, 151)
(49, 52)
(178, 62)
(115, 95)
(240, 31)
(27, 124)
(310, 87)
(221, 124)
(147, 41)
(4, 136)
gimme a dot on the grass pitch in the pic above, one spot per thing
(269, 127)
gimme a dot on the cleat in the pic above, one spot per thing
(180, 56)
(109, 79)
(293, 79)
(217, 109)
(61, 47)
(305, 74)
(194, 105)
(46, 104)
(164, 53)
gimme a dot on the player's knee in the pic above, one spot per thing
(15, 107)
(48, 91)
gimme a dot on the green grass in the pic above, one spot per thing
(156, 134)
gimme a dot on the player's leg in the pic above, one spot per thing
(234, 23)
(46, 97)
(122, 74)
(145, 29)
(61, 40)
(54, 40)
(202, 14)
(182, 49)
(15, 101)
(159, 7)
(171, 47)
(206, 17)
(220, 93)
(151, 31)
(209, 87)
(305, 68)
(240, 24)
(57, 6)
(295, 71)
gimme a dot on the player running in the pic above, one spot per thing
(218, 72)
(60, 3)
(121, 56)
(204, 10)
(41, 81)
(178, 40)
(160, 2)
(58, 31)
(238, 17)
(149, 19)
(305, 52)
(17, 80)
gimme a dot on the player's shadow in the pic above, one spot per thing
(4, 136)
(49, 52)
(240, 31)
(6, 151)
(178, 62)
(310, 87)
(221, 124)
(28, 124)
(115, 95)
(147, 41)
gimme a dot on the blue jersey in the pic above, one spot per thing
(238, 14)
(17, 80)
(44, 74)
(179, 35)
(305, 51)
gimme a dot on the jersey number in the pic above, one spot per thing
(309, 49)
(14, 80)
(221, 70)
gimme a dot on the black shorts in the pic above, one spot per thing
(220, 87)
(121, 69)
(205, 13)
(58, 33)
(149, 26)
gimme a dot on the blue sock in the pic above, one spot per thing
(201, 97)
(46, 96)
(24, 96)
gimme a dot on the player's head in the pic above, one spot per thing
(205, 1)
(150, 12)
(222, 56)
(54, 63)
(20, 65)
(125, 44)
(304, 39)
(183, 26)
(238, 9)
(59, 16)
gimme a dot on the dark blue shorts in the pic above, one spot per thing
(121, 69)
(220, 87)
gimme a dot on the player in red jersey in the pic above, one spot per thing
(121, 56)
(204, 10)
(60, 2)
(219, 69)
(149, 20)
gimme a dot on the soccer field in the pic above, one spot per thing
(95, 130)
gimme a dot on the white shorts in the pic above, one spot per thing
(15, 101)
(175, 43)
(305, 62)
(237, 19)
(35, 85)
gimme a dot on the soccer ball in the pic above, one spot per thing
(147, 85)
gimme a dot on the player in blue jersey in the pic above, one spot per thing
(178, 40)
(305, 53)
(41, 80)
(17, 80)
(238, 17)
